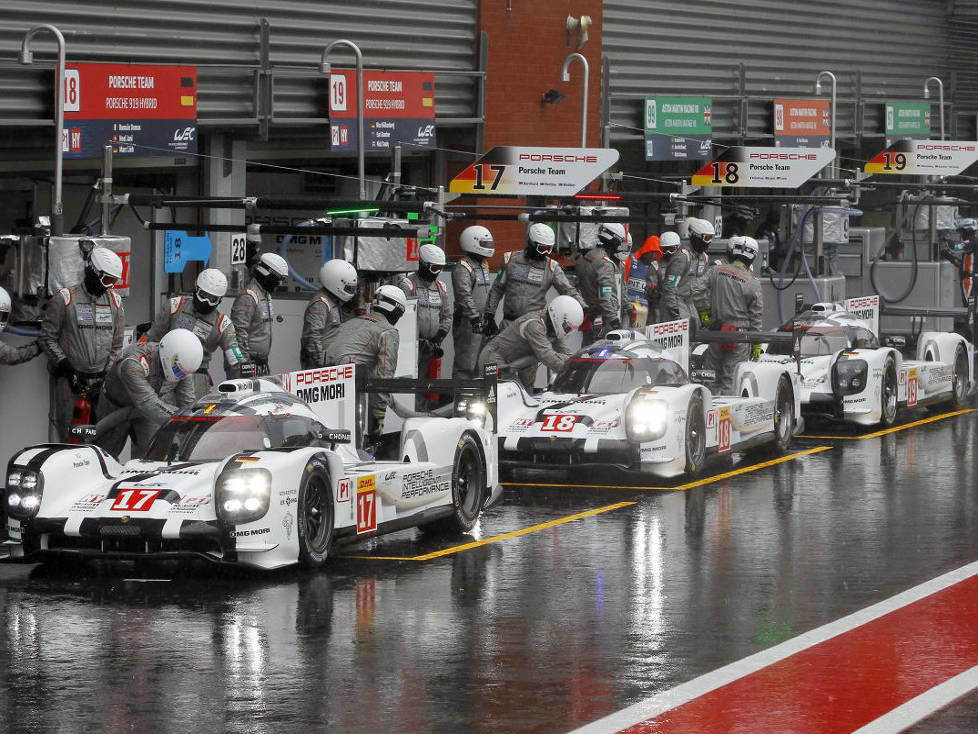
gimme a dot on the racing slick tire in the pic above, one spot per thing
(468, 489)
(314, 516)
(695, 442)
(888, 394)
(784, 414)
(959, 379)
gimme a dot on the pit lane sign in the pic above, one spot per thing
(398, 108)
(924, 158)
(141, 110)
(769, 168)
(513, 171)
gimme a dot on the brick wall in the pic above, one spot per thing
(527, 46)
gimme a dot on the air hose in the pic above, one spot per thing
(914, 267)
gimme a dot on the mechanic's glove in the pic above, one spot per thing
(62, 368)
(755, 352)
(437, 352)
(75, 382)
(614, 324)
(477, 325)
(439, 337)
(490, 328)
(705, 319)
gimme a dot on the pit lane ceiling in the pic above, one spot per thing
(885, 48)
(222, 37)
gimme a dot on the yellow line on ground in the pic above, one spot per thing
(894, 429)
(690, 485)
(497, 538)
(754, 467)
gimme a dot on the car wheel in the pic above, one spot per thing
(784, 414)
(888, 394)
(695, 436)
(959, 379)
(468, 488)
(314, 517)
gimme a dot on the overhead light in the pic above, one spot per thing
(551, 96)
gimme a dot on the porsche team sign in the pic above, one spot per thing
(513, 171)
(924, 158)
(769, 168)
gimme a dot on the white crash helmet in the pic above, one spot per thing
(339, 278)
(565, 314)
(180, 354)
(432, 255)
(746, 248)
(273, 263)
(541, 238)
(4, 308)
(701, 228)
(211, 282)
(669, 242)
(477, 240)
(611, 235)
(107, 266)
(390, 300)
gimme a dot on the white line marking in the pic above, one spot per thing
(685, 692)
(929, 702)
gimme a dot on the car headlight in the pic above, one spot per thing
(646, 418)
(849, 376)
(472, 409)
(24, 490)
(243, 495)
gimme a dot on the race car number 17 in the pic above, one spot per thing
(366, 503)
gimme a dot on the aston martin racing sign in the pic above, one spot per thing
(924, 158)
(769, 168)
(511, 171)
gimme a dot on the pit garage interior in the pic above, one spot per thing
(831, 587)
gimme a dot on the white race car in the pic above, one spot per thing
(628, 401)
(848, 375)
(251, 475)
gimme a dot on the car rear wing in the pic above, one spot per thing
(466, 394)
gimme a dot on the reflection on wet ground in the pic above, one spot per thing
(539, 631)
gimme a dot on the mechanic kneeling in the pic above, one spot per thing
(539, 334)
(140, 388)
(736, 303)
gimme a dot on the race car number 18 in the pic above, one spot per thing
(366, 503)
(559, 423)
(912, 388)
(723, 429)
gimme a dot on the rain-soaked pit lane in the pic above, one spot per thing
(543, 631)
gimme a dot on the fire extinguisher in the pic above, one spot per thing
(434, 372)
(81, 415)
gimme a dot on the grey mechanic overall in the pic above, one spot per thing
(252, 311)
(683, 281)
(13, 355)
(471, 282)
(82, 334)
(325, 312)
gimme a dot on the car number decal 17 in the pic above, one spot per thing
(366, 503)
(135, 500)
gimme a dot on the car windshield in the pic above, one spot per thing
(211, 438)
(821, 340)
(597, 376)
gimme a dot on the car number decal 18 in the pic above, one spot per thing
(563, 423)
(366, 503)
(723, 429)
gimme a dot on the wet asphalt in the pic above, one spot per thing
(539, 632)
